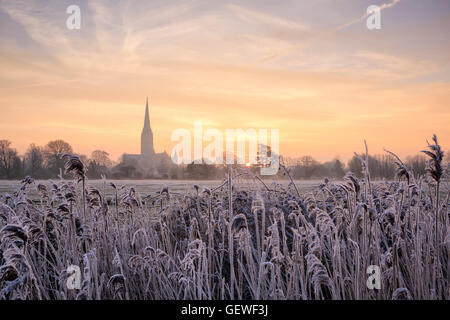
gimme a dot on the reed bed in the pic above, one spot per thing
(244, 239)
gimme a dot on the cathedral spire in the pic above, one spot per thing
(147, 116)
(147, 135)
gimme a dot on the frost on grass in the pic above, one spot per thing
(243, 239)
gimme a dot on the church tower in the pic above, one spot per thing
(147, 149)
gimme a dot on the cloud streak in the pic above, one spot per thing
(226, 64)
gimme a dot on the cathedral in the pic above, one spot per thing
(149, 163)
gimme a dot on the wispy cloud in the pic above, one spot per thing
(321, 35)
(230, 65)
(38, 23)
(271, 22)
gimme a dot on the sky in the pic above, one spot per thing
(311, 69)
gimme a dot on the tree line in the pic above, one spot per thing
(45, 162)
(380, 166)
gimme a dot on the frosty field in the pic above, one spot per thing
(146, 187)
(240, 238)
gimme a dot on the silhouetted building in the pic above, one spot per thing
(149, 163)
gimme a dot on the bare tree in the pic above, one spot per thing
(355, 166)
(417, 163)
(34, 160)
(309, 166)
(8, 158)
(101, 158)
(338, 169)
(53, 152)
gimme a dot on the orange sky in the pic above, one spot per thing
(230, 65)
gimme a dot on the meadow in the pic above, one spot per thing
(240, 238)
(146, 187)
